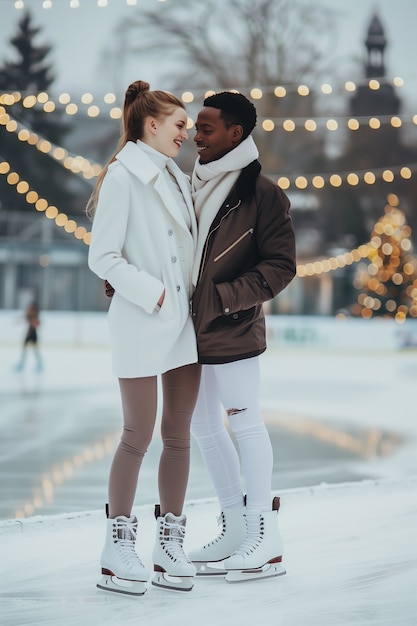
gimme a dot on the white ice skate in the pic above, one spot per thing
(260, 555)
(173, 569)
(122, 569)
(209, 558)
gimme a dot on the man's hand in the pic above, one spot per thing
(108, 289)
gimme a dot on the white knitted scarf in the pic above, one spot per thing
(211, 183)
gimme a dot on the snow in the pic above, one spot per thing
(350, 548)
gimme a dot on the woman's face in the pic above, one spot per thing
(170, 132)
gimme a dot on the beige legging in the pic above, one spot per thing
(139, 402)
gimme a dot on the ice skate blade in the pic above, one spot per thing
(267, 571)
(214, 568)
(174, 583)
(120, 585)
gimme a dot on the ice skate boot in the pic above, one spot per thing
(260, 555)
(173, 568)
(208, 559)
(122, 569)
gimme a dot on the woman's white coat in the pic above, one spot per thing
(142, 245)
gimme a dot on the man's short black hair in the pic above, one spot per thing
(235, 109)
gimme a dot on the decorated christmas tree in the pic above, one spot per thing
(388, 281)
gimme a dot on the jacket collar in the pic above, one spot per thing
(138, 162)
(245, 184)
(243, 188)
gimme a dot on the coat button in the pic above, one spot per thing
(227, 310)
(170, 232)
(174, 259)
(178, 288)
(235, 316)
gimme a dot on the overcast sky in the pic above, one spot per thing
(80, 36)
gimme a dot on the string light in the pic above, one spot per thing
(77, 164)
(282, 91)
(256, 93)
(288, 125)
(333, 263)
(42, 205)
(73, 4)
(337, 179)
(81, 165)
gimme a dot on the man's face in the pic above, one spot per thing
(213, 139)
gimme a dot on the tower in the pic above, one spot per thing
(375, 102)
(375, 44)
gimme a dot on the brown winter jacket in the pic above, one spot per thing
(248, 258)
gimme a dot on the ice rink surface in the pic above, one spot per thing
(350, 548)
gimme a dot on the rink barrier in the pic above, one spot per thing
(71, 328)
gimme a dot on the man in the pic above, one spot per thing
(245, 256)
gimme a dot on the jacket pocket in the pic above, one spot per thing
(234, 319)
(233, 245)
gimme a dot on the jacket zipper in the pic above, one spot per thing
(203, 261)
(219, 256)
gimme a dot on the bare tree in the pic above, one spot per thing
(232, 43)
(235, 44)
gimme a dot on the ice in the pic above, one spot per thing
(350, 548)
(350, 555)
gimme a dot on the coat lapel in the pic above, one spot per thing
(185, 186)
(141, 166)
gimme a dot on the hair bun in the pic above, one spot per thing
(136, 89)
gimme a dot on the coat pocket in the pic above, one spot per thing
(168, 310)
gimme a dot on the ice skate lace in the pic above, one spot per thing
(255, 535)
(173, 539)
(125, 541)
(220, 522)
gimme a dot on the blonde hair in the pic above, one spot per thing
(139, 103)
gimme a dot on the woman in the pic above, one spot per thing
(143, 241)
(31, 337)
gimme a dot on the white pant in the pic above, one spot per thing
(234, 387)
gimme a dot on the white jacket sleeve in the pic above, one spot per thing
(106, 248)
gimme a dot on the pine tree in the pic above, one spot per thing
(388, 285)
(30, 73)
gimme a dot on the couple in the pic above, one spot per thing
(226, 245)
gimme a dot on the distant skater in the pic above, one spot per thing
(31, 338)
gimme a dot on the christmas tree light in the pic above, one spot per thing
(388, 284)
